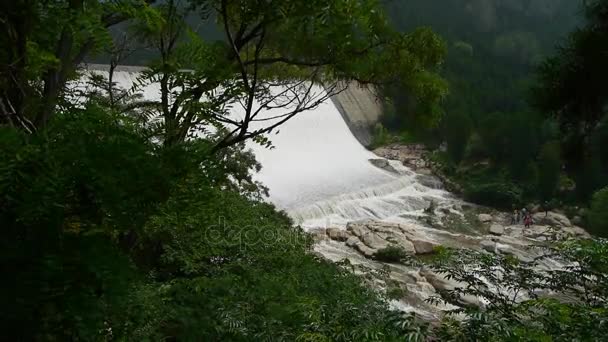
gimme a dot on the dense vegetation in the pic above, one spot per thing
(132, 219)
(519, 126)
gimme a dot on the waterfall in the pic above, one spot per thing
(320, 174)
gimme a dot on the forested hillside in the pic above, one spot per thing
(504, 147)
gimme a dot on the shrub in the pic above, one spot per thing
(499, 194)
(457, 128)
(391, 254)
(381, 136)
(549, 167)
(597, 216)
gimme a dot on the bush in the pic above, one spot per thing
(549, 167)
(597, 216)
(391, 254)
(457, 127)
(381, 136)
(499, 195)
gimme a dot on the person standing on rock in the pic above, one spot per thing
(546, 208)
(515, 217)
(527, 220)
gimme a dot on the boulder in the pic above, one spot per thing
(552, 219)
(337, 234)
(359, 246)
(352, 241)
(577, 231)
(365, 250)
(384, 165)
(374, 241)
(424, 246)
(577, 221)
(318, 234)
(357, 229)
(497, 229)
(488, 245)
(484, 218)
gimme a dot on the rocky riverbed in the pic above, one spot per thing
(439, 220)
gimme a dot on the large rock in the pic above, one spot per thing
(337, 234)
(383, 164)
(577, 231)
(441, 283)
(551, 219)
(318, 234)
(497, 229)
(488, 245)
(484, 218)
(357, 228)
(352, 241)
(365, 250)
(359, 246)
(374, 241)
(424, 246)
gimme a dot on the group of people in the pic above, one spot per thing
(522, 216)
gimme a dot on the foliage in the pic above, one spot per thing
(571, 83)
(597, 215)
(273, 57)
(44, 42)
(391, 254)
(109, 236)
(498, 195)
(549, 170)
(457, 131)
(517, 295)
(381, 136)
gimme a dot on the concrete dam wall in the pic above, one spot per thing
(360, 109)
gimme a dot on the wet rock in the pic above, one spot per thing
(318, 234)
(430, 181)
(441, 283)
(497, 229)
(540, 233)
(410, 155)
(509, 250)
(577, 221)
(357, 229)
(423, 246)
(576, 231)
(352, 241)
(365, 250)
(484, 218)
(488, 245)
(384, 165)
(360, 247)
(551, 219)
(374, 241)
(337, 234)
(404, 243)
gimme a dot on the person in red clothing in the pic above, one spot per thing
(528, 220)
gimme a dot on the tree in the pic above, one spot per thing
(517, 296)
(598, 213)
(458, 129)
(549, 165)
(44, 42)
(282, 56)
(572, 83)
